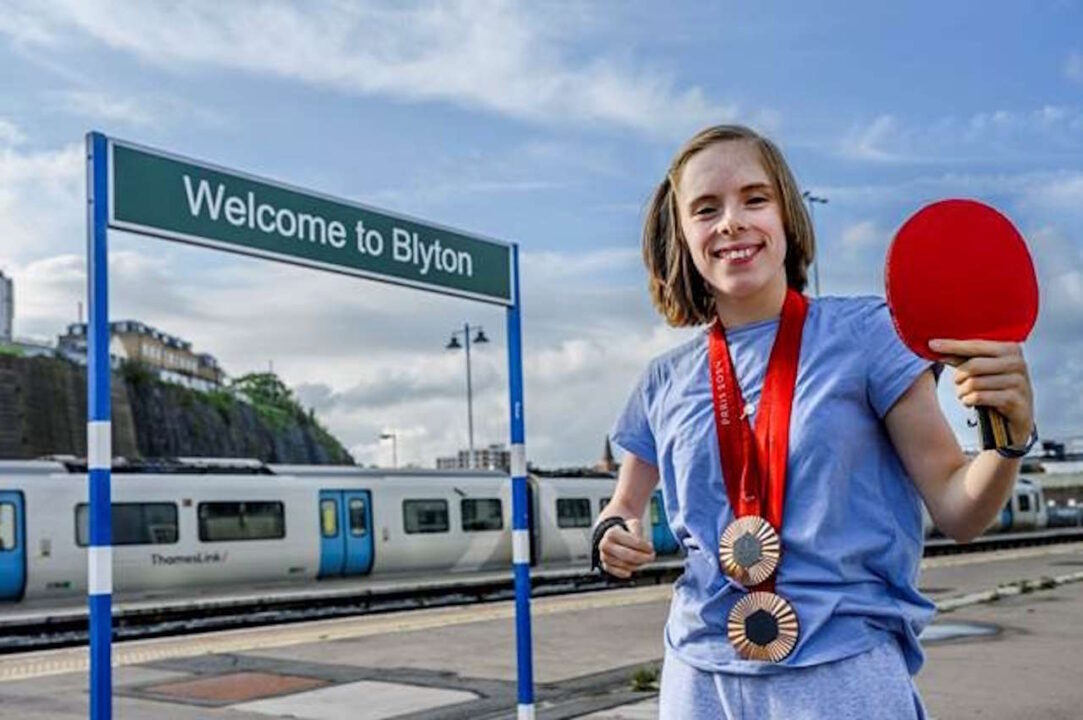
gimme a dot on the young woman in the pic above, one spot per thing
(795, 440)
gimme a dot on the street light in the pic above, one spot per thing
(394, 447)
(811, 200)
(454, 345)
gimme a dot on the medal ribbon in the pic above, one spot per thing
(754, 464)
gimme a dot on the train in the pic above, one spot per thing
(236, 524)
(1024, 511)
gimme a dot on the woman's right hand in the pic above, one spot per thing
(622, 552)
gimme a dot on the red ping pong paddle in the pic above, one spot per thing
(958, 269)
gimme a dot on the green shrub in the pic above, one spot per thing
(137, 372)
(645, 679)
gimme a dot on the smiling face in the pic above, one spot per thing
(731, 219)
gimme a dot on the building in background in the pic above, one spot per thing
(9, 344)
(494, 457)
(607, 463)
(169, 356)
(7, 307)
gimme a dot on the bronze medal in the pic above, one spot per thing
(749, 550)
(763, 626)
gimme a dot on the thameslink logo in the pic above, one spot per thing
(200, 558)
(157, 194)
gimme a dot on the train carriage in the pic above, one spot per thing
(205, 523)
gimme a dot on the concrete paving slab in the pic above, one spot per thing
(363, 700)
(138, 675)
(645, 710)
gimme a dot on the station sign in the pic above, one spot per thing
(176, 198)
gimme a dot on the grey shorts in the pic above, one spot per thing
(874, 685)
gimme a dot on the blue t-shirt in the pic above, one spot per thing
(851, 530)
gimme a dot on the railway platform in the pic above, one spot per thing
(595, 657)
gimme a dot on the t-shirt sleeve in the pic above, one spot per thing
(893, 367)
(632, 430)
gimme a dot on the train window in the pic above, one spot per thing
(425, 516)
(133, 524)
(602, 503)
(482, 514)
(328, 518)
(1024, 502)
(7, 527)
(656, 511)
(359, 521)
(225, 521)
(573, 512)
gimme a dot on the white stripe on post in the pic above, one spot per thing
(99, 445)
(520, 546)
(526, 712)
(518, 460)
(100, 570)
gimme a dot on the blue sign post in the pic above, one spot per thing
(99, 446)
(154, 193)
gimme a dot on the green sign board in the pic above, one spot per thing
(179, 199)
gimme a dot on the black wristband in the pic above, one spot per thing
(596, 539)
(1018, 452)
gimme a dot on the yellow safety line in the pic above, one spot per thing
(999, 555)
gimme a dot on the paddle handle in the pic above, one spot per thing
(994, 429)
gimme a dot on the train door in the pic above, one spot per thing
(661, 536)
(345, 532)
(12, 546)
(1006, 515)
(357, 517)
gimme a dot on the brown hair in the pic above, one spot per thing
(676, 287)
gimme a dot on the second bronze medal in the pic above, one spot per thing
(762, 626)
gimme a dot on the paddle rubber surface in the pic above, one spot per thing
(958, 269)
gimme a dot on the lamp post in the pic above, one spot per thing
(811, 200)
(453, 344)
(393, 437)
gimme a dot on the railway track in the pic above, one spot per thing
(69, 628)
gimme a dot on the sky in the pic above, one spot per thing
(543, 124)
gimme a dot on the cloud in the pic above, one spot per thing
(1055, 347)
(1058, 195)
(10, 134)
(49, 291)
(514, 59)
(867, 141)
(1073, 66)
(861, 235)
(104, 106)
(1039, 190)
(27, 27)
(42, 196)
(982, 138)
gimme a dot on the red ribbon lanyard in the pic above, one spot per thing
(754, 466)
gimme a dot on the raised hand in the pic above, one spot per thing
(994, 375)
